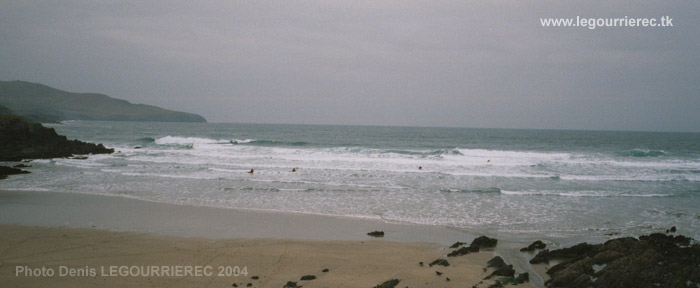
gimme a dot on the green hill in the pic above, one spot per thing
(46, 104)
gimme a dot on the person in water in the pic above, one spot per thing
(251, 171)
(294, 169)
(420, 167)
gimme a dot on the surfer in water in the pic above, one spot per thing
(294, 169)
(251, 171)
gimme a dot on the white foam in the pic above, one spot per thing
(578, 193)
(237, 141)
(188, 140)
(26, 189)
(168, 176)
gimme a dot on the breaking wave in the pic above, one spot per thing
(643, 153)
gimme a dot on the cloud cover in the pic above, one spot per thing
(424, 63)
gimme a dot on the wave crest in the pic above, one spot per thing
(186, 141)
(579, 194)
(643, 153)
(267, 142)
(477, 190)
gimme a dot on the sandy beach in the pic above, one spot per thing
(274, 262)
(44, 231)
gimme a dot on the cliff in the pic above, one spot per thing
(21, 139)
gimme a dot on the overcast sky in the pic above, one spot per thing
(417, 63)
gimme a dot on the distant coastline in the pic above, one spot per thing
(42, 103)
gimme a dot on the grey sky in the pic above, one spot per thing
(427, 63)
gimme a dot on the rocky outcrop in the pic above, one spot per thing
(503, 274)
(5, 171)
(578, 250)
(441, 262)
(478, 243)
(21, 139)
(655, 260)
(537, 245)
(502, 269)
(484, 242)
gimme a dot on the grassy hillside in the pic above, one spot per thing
(43, 103)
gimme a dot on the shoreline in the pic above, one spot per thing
(120, 214)
(117, 213)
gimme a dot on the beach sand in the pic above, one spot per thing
(350, 263)
(110, 235)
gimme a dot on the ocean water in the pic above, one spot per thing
(563, 186)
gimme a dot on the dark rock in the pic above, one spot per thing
(475, 246)
(510, 280)
(522, 278)
(673, 229)
(496, 262)
(496, 285)
(463, 251)
(665, 241)
(389, 284)
(420, 264)
(291, 284)
(325, 270)
(447, 279)
(501, 268)
(376, 234)
(255, 277)
(441, 262)
(5, 171)
(656, 260)
(535, 245)
(21, 139)
(567, 253)
(308, 277)
(234, 285)
(249, 285)
(457, 244)
(484, 242)
(438, 273)
(505, 270)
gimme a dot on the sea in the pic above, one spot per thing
(560, 185)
